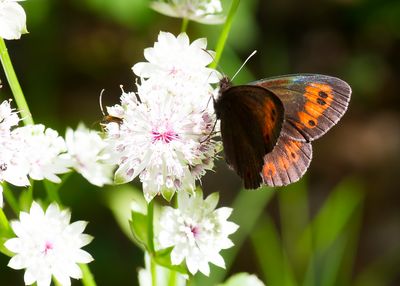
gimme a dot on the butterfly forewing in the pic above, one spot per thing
(251, 120)
(313, 103)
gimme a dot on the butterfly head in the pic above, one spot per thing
(224, 84)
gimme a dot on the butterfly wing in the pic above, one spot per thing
(287, 163)
(313, 103)
(251, 120)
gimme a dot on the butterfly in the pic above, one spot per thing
(267, 126)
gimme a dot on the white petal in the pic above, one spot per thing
(74, 271)
(17, 262)
(12, 20)
(82, 256)
(77, 227)
(13, 244)
(204, 268)
(62, 278)
(218, 260)
(224, 213)
(36, 211)
(30, 277)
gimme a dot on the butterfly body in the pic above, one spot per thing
(267, 125)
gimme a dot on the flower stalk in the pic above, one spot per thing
(185, 23)
(87, 276)
(14, 84)
(225, 32)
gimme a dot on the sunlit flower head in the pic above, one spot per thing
(12, 20)
(45, 152)
(197, 231)
(47, 244)
(175, 59)
(166, 131)
(165, 140)
(202, 11)
(89, 155)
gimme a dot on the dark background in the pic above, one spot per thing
(77, 48)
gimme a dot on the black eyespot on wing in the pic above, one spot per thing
(313, 103)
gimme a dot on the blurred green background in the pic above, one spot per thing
(338, 226)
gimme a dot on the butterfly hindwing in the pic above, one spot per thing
(287, 163)
(313, 103)
(251, 120)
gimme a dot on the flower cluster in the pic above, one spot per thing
(164, 133)
(47, 244)
(202, 11)
(12, 20)
(197, 231)
(31, 150)
(40, 153)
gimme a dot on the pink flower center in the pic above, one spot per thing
(164, 136)
(47, 247)
(195, 231)
(173, 71)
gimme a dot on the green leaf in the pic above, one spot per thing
(163, 258)
(294, 213)
(122, 200)
(168, 194)
(138, 226)
(331, 231)
(334, 215)
(271, 256)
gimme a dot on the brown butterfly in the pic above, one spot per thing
(267, 126)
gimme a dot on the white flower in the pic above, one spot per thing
(163, 275)
(13, 165)
(175, 59)
(8, 119)
(12, 20)
(197, 231)
(164, 139)
(47, 244)
(202, 11)
(89, 154)
(243, 279)
(45, 152)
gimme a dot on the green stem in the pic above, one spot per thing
(225, 32)
(172, 278)
(87, 276)
(6, 232)
(150, 242)
(150, 226)
(185, 23)
(11, 200)
(153, 270)
(14, 84)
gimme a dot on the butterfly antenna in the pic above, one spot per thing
(248, 58)
(101, 101)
